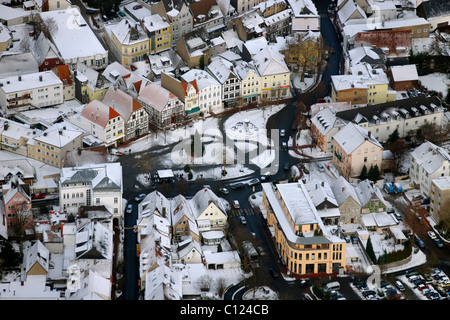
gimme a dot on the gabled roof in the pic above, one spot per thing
(352, 136)
(99, 113)
(202, 199)
(429, 156)
(121, 102)
(37, 253)
(156, 96)
(270, 61)
(367, 191)
(342, 190)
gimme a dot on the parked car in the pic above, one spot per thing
(129, 208)
(39, 195)
(138, 6)
(140, 197)
(282, 132)
(224, 190)
(438, 242)
(242, 220)
(238, 185)
(265, 176)
(284, 146)
(431, 234)
(433, 295)
(400, 285)
(236, 204)
(273, 273)
(321, 167)
(121, 13)
(419, 242)
(287, 166)
(253, 182)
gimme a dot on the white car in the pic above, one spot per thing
(253, 182)
(236, 204)
(432, 235)
(282, 133)
(129, 208)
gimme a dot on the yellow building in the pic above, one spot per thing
(274, 73)
(89, 84)
(159, 33)
(5, 38)
(364, 86)
(303, 51)
(127, 42)
(250, 82)
(305, 246)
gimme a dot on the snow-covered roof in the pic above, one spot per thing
(126, 32)
(122, 102)
(342, 190)
(37, 253)
(269, 61)
(156, 96)
(94, 240)
(70, 31)
(349, 8)
(406, 72)
(442, 183)
(326, 119)
(430, 156)
(320, 192)
(103, 175)
(155, 22)
(295, 199)
(202, 199)
(366, 191)
(58, 135)
(221, 69)
(99, 113)
(204, 79)
(352, 136)
(303, 8)
(29, 81)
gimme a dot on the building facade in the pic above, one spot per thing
(302, 241)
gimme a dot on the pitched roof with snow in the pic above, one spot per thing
(99, 113)
(156, 96)
(406, 72)
(270, 61)
(430, 156)
(202, 199)
(352, 136)
(342, 190)
(121, 102)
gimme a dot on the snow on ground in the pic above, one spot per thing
(437, 82)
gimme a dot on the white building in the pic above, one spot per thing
(223, 71)
(428, 162)
(96, 184)
(74, 38)
(29, 91)
(102, 121)
(209, 90)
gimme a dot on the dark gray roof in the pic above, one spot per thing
(436, 8)
(410, 105)
(82, 176)
(106, 183)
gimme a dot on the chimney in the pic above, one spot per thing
(40, 78)
(20, 78)
(323, 183)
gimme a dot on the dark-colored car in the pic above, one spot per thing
(138, 6)
(273, 273)
(238, 185)
(287, 166)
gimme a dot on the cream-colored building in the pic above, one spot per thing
(440, 199)
(5, 38)
(127, 41)
(304, 244)
(52, 145)
(209, 211)
(428, 162)
(353, 148)
(274, 73)
(347, 200)
(250, 82)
